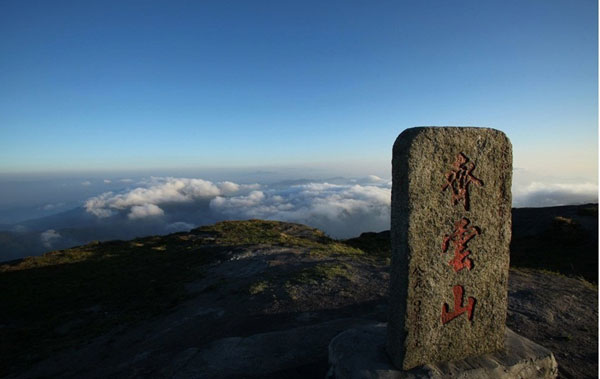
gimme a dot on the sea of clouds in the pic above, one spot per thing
(342, 209)
(543, 194)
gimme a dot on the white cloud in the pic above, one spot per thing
(145, 210)
(86, 183)
(540, 194)
(107, 181)
(98, 205)
(253, 199)
(342, 210)
(374, 179)
(578, 188)
(49, 237)
(157, 191)
(228, 187)
(126, 180)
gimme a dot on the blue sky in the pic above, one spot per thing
(129, 118)
(129, 85)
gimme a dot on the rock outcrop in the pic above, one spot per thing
(276, 297)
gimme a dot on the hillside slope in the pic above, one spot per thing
(559, 239)
(235, 299)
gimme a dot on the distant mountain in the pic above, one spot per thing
(563, 239)
(72, 228)
(557, 238)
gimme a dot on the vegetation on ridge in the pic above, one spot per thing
(66, 298)
(275, 233)
(70, 296)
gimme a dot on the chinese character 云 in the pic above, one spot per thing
(463, 233)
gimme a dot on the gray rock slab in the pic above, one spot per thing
(260, 354)
(359, 353)
(450, 232)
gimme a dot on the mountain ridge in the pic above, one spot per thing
(135, 307)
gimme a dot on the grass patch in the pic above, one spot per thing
(377, 245)
(258, 287)
(256, 232)
(298, 284)
(590, 285)
(275, 233)
(565, 247)
(336, 248)
(322, 272)
(584, 281)
(64, 298)
(588, 210)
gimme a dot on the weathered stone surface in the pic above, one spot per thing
(360, 353)
(436, 221)
(260, 354)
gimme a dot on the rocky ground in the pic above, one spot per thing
(560, 314)
(238, 299)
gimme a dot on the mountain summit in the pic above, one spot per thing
(237, 299)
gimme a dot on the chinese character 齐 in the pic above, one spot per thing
(459, 178)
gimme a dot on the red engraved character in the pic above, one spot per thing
(458, 308)
(463, 233)
(459, 178)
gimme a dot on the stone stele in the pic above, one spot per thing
(450, 231)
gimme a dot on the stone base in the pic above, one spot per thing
(360, 353)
